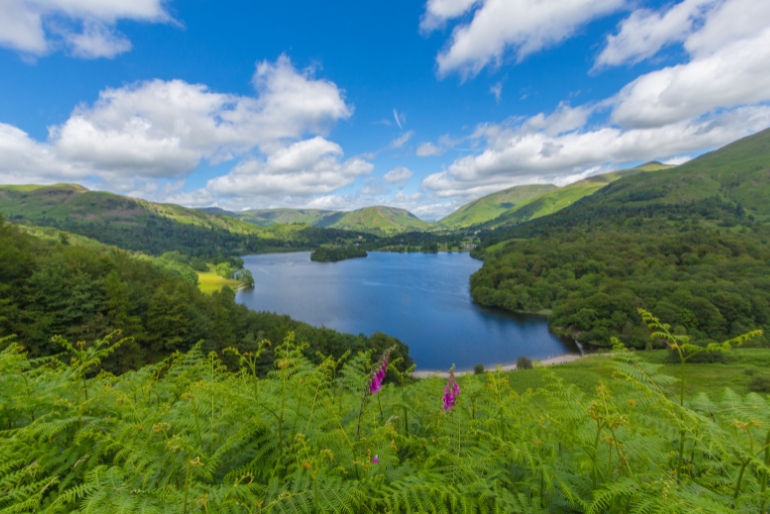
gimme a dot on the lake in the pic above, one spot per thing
(422, 299)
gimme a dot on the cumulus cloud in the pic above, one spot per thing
(429, 149)
(442, 146)
(134, 136)
(86, 28)
(645, 32)
(736, 74)
(313, 166)
(523, 26)
(398, 176)
(520, 155)
(437, 12)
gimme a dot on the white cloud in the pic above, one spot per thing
(308, 167)
(644, 33)
(497, 90)
(437, 12)
(736, 74)
(428, 150)
(86, 28)
(400, 141)
(677, 160)
(442, 146)
(400, 118)
(524, 26)
(398, 176)
(140, 137)
(521, 155)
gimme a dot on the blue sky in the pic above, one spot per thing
(345, 104)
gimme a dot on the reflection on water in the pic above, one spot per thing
(422, 299)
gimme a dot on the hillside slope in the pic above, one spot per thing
(557, 199)
(381, 220)
(140, 225)
(491, 206)
(738, 172)
(268, 217)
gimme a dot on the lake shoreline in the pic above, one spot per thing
(551, 361)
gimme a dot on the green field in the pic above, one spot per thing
(740, 366)
(209, 282)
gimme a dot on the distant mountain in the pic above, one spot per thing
(267, 217)
(381, 220)
(558, 198)
(491, 206)
(377, 220)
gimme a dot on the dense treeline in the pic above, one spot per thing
(157, 235)
(337, 253)
(187, 436)
(49, 289)
(703, 267)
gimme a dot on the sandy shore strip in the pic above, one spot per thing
(551, 361)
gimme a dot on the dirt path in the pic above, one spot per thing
(562, 359)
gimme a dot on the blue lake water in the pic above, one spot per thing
(422, 299)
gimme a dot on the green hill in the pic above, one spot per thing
(377, 220)
(268, 217)
(738, 172)
(555, 200)
(689, 244)
(491, 206)
(149, 227)
(381, 220)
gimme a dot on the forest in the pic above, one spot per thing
(703, 267)
(53, 288)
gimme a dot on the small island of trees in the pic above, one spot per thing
(337, 253)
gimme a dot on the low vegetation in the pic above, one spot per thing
(186, 435)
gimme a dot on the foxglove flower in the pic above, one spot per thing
(376, 383)
(451, 391)
(376, 459)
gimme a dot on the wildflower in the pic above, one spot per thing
(451, 391)
(376, 384)
(376, 459)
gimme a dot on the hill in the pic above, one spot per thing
(149, 227)
(381, 220)
(555, 200)
(378, 220)
(738, 173)
(689, 244)
(268, 217)
(491, 206)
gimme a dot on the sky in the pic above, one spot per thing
(346, 104)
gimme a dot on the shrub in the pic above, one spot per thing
(759, 384)
(523, 363)
(478, 369)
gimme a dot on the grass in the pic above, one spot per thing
(209, 282)
(741, 365)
